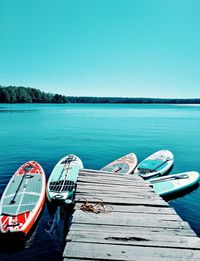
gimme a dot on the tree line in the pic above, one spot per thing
(72, 99)
(12, 94)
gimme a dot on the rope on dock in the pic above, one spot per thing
(96, 208)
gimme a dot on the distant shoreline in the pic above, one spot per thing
(147, 103)
(13, 94)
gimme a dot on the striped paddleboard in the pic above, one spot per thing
(23, 199)
(62, 181)
(123, 165)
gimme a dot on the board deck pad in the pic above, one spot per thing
(21, 196)
(61, 185)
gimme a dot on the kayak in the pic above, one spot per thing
(175, 183)
(23, 199)
(123, 165)
(62, 181)
(155, 165)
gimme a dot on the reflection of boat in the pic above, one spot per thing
(123, 165)
(23, 199)
(172, 184)
(62, 181)
(156, 164)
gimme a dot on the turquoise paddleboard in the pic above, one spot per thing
(62, 181)
(172, 184)
(155, 165)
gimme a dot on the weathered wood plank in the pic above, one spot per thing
(124, 252)
(87, 172)
(112, 180)
(138, 259)
(139, 229)
(109, 187)
(123, 189)
(150, 239)
(109, 180)
(126, 219)
(123, 201)
(120, 178)
(126, 196)
(133, 215)
(139, 209)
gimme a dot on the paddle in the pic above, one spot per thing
(175, 176)
(26, 170)
(67, 161)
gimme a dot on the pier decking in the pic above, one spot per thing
(138, 225)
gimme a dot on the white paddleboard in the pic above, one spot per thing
(156, 164)
(172, 184)
(123, 165)
(62, 181)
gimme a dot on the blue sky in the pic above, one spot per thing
(129, 48)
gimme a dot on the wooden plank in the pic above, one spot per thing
(150, 239)
(124, 252)
(107, 187)
(138, 259)
(125, 201)
(126, 179)
(120, 229)
(134, 215)
(117, 181)
(126, 219)
(123, 190)
(123, 196)
(106, 174)
(122, 179)
(110, 187)
(139, 209)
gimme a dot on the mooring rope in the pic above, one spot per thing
(96, 208)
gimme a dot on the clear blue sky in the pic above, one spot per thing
(129, 48)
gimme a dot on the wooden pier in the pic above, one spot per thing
(137, 225)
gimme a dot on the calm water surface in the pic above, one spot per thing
(97, 134)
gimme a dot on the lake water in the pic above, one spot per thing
(97, 134)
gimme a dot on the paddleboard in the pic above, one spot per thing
(23, 199)
(171, 184)
(62, 181)
(123, 165)
(156, 164)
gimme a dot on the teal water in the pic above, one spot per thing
(97, 134)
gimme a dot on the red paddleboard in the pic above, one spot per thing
(23, 199)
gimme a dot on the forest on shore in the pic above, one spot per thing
(13, 94)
